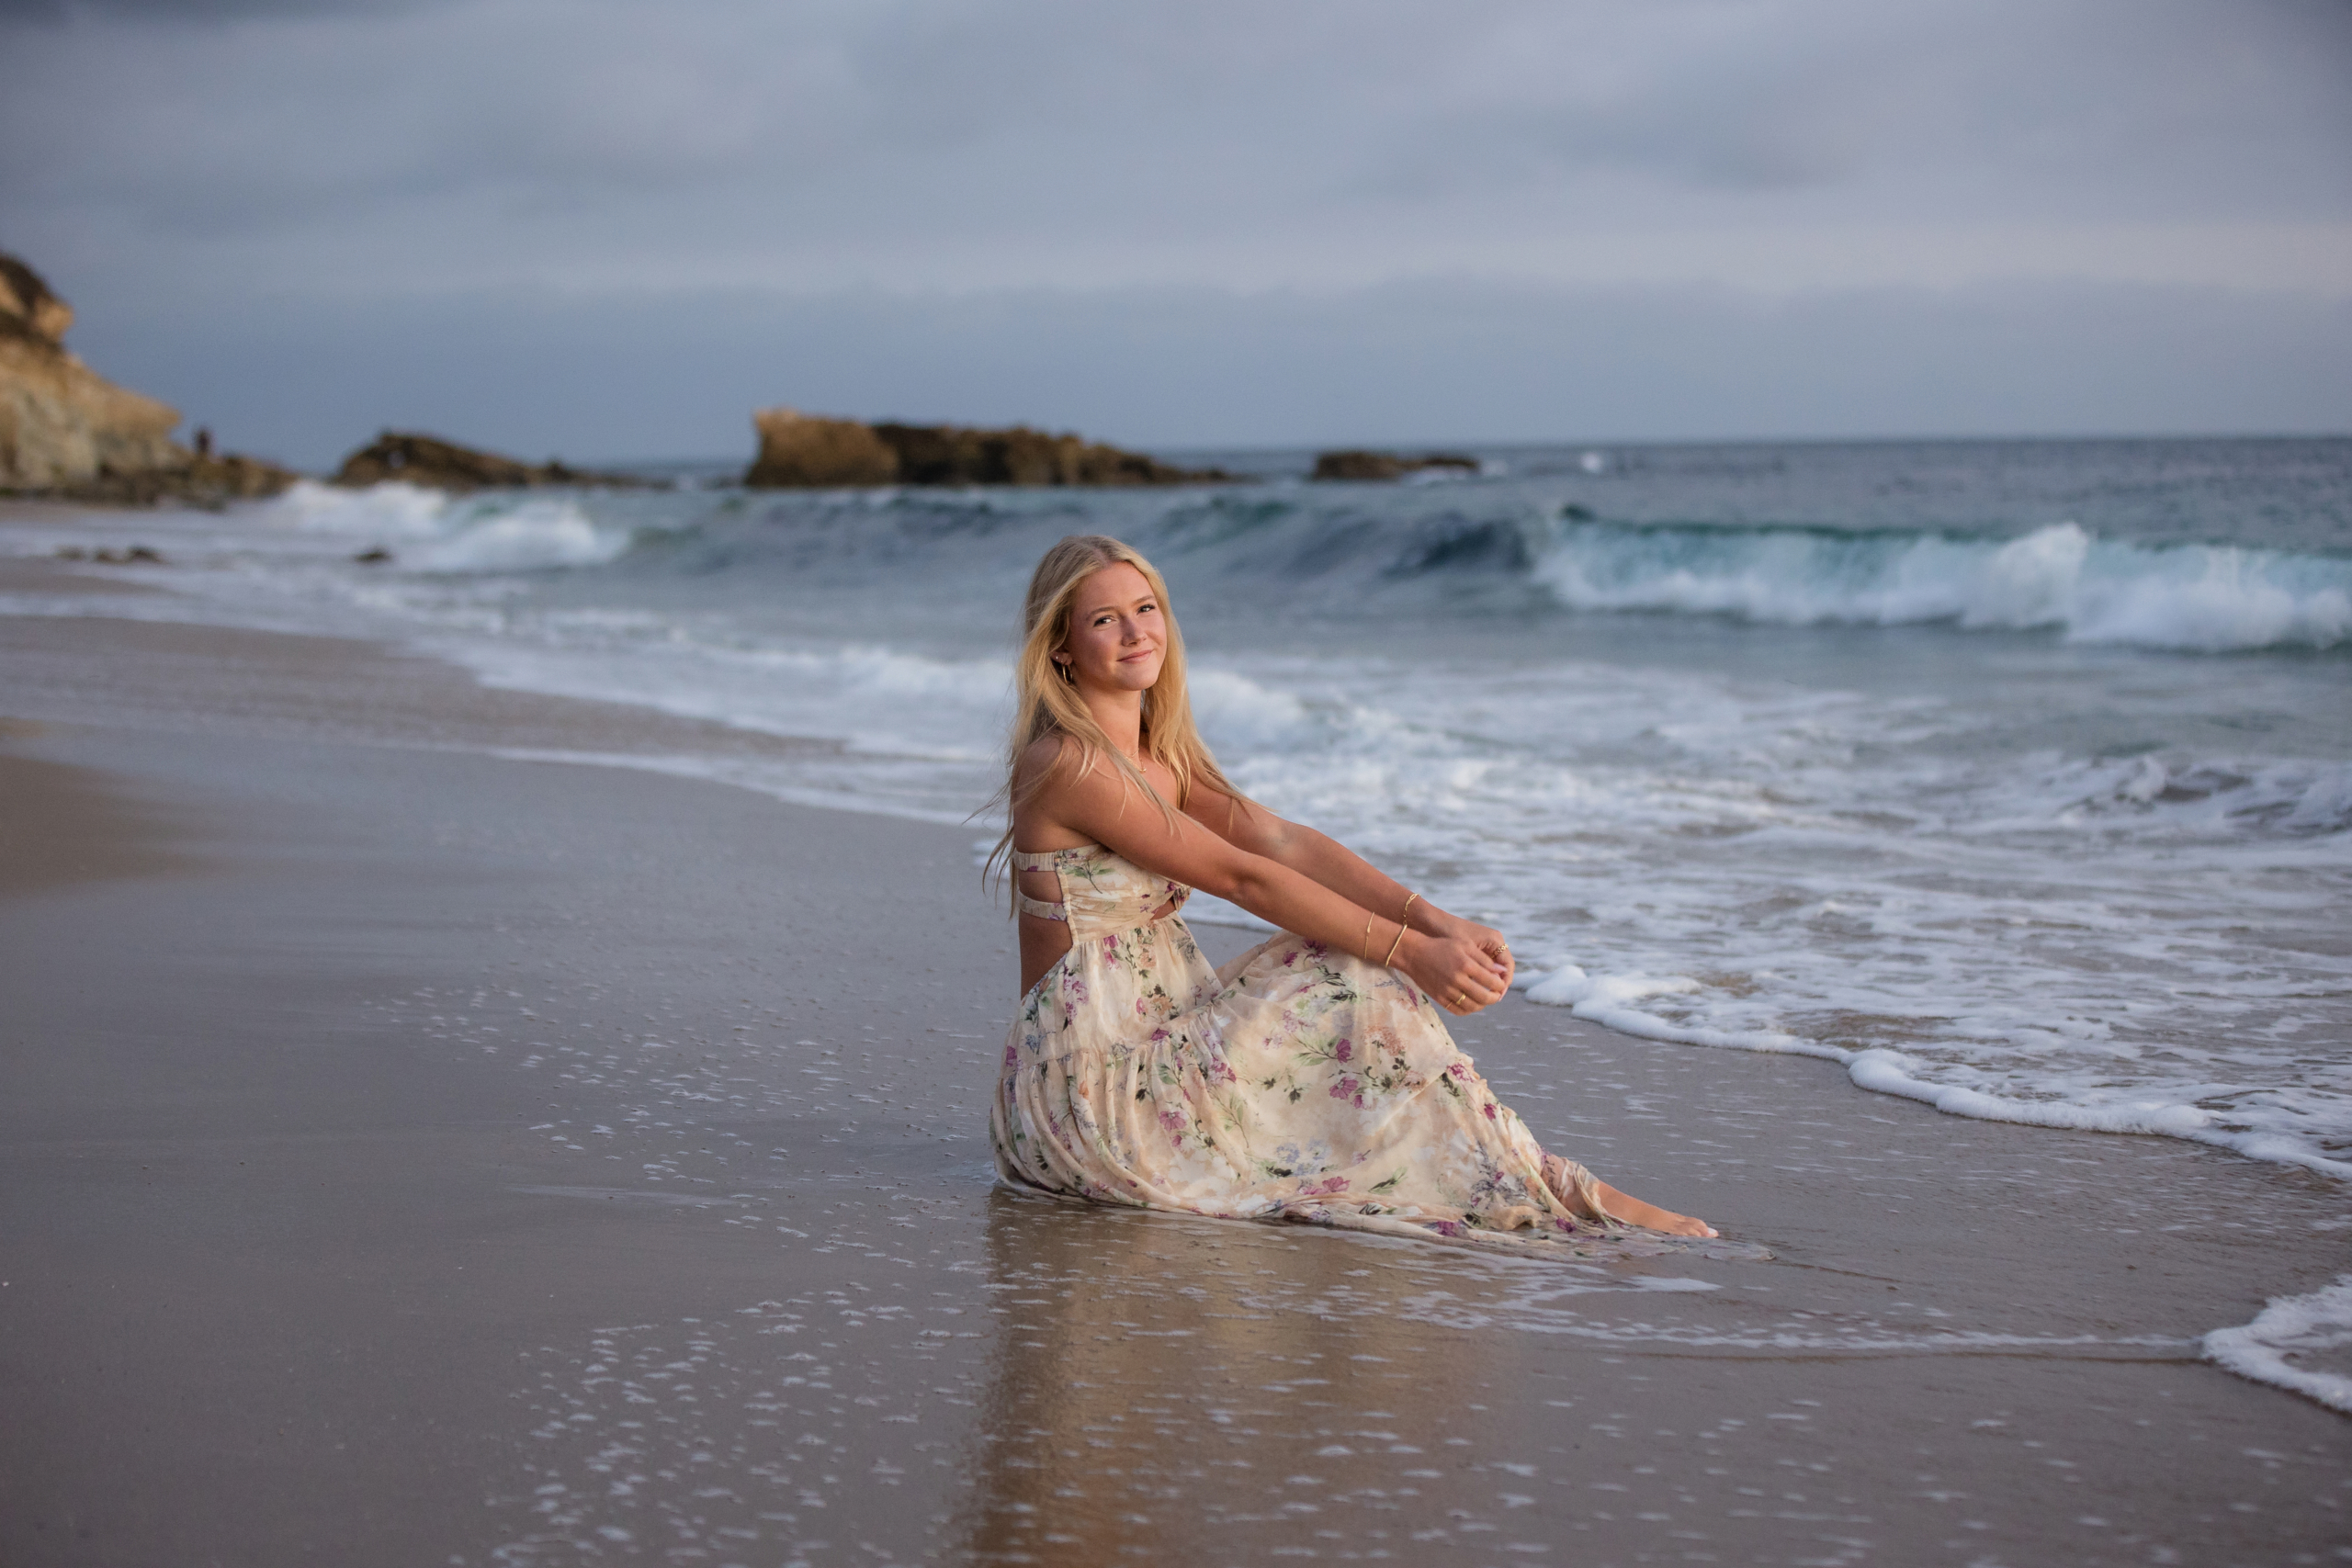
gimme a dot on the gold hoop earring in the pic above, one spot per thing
(1070, 676)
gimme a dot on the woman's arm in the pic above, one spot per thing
(1102, 805)
(1326, 861)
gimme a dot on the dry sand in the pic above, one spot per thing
(409, 1155)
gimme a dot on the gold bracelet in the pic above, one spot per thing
(1410, 899)
(1390, 962)
(1363, 943)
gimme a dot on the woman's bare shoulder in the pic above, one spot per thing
(1045, 761)
(1045, 777)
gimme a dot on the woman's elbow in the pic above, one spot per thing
(1245, 884)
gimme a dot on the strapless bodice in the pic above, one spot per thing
(1102, 894)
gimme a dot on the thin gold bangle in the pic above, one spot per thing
(1410, 899)
(1390, 962)
(1363, 943)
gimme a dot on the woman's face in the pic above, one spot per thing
(1117, 636)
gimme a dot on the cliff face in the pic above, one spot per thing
(67, 431)
(61, 423)
(801, 450)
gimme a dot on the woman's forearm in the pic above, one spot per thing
(1326, 861)
(1286, 896)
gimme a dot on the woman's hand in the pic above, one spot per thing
(1490, 941)
(1458, 973)
(1484, 938)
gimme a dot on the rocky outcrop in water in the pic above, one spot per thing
(803, 451)
(799, 450)
(67, 432)
(1358, 464)
(431, 463)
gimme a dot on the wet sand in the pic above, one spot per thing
(413, 1156)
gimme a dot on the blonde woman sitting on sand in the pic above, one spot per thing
(1311, 1078)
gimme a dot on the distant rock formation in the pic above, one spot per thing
(1357, 464)
(66, 430)
(799, 450)
(431, 463)
(195, 480)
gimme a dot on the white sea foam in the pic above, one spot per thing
(534, 536)
(2206, 598)
(383, 511)
(2288, 1327)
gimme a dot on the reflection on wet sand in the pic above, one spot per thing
(1197, 1391)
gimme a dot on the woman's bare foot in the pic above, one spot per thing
(1649, 1216)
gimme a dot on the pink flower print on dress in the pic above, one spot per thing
(1343, 1050)
(1012, 1055)
(1490, 1111)
(1345, 1088)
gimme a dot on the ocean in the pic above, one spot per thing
(2015, 777)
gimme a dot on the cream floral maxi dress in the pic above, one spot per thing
(1298, 1083)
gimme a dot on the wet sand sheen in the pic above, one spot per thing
(452, 1155)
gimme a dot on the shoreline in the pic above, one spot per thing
(680, 744)
(518, 1053)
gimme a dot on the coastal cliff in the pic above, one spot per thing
(799, 450)
(68, 432)
(61, 423)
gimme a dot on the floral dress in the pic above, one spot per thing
(1298, 1083)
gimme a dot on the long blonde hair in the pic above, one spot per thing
(1044, 704)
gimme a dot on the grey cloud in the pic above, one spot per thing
(1057, 116)
(193, 11)
(369, 163)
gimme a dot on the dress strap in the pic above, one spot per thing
(1039, 908)
(1044, 858)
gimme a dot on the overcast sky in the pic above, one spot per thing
(612, 229)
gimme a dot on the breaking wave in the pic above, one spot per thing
(2200, 598)
(420, 530)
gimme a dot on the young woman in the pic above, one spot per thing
(1312, 1079)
